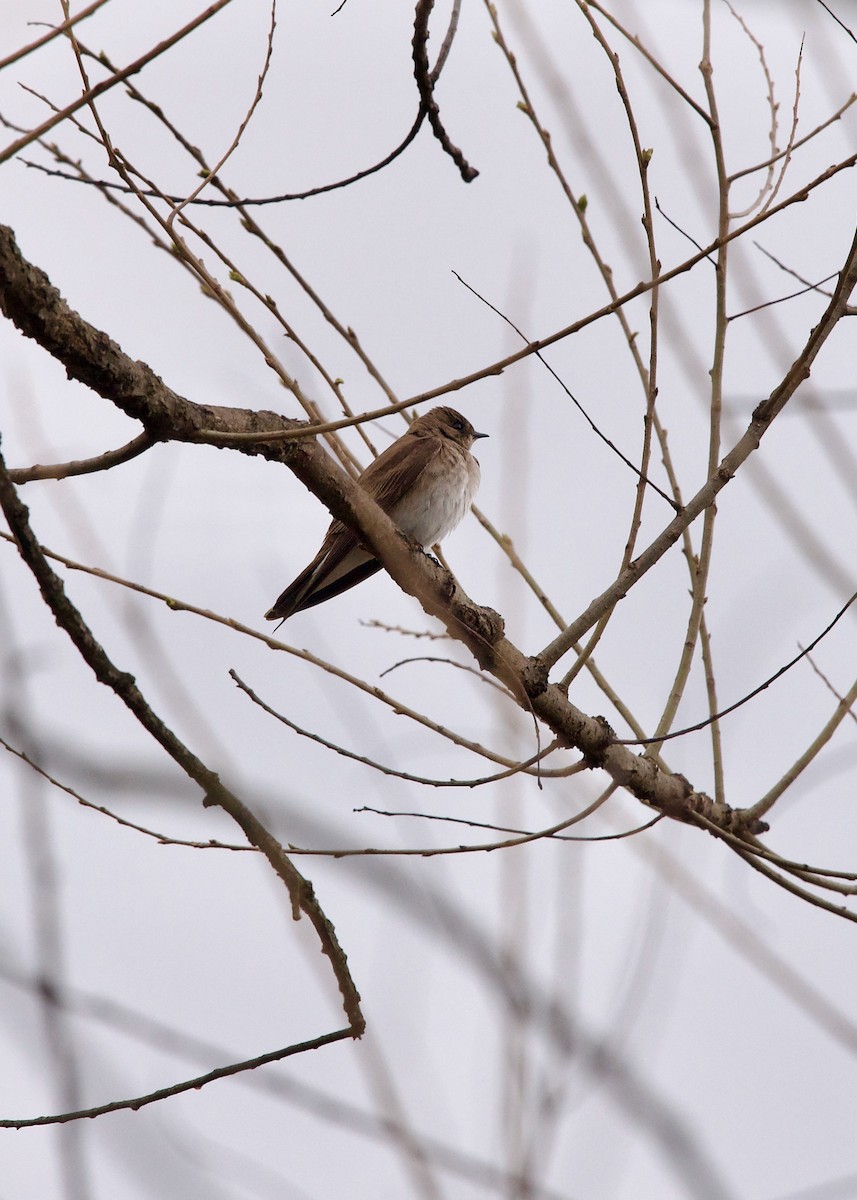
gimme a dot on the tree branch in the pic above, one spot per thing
(36, 307)
(84, 466)
(215, 793)
(763, 416)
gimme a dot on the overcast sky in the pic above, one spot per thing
(633, 1019)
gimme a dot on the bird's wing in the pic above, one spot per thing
(394, 472)
(340, 564)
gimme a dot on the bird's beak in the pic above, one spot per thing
(476, 436)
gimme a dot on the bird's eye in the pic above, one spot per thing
(458, 424)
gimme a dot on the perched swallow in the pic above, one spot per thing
(425, 482)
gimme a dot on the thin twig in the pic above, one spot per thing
(85, 466)
(556, 837)
(723, 712)
(810, 287)
(764, 415)
(163, 839)
(425, 86)
(213, 790)
(53, 32)
(135, 1103)
(448, 662)
(248, 116)
(766, 803)
(431, 634)
(841, 24)
(796, 274)
(220, 437)
(652, 61)
(641, 476)
(516, 769)
(766, 188)
(831, 120)
(376, 693)
(99, 89)
(523, 839)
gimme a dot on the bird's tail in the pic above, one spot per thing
(294, 598)
(310, 589)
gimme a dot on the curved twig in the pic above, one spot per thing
(162, 838)
(214, 791)
(106, 84)
(85, 466)
(516, 768)
(425, 86)
(53, 32)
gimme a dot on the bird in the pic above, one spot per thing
(425, 481)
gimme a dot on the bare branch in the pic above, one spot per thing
(53, 32)
(425, 85)
(187, 1085)
(163, 838)
(515, 769)
(764, 415)
(28, 298)
(214, 792)
(85, 466)
(522, 839)
(118, 77)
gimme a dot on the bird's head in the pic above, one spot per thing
(446, 423)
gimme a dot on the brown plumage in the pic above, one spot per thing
(425, 481)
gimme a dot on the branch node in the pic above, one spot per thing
(535, 677)
(596, 751)
(485, 627)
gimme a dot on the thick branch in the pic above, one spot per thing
(124, 685)
(31, 301)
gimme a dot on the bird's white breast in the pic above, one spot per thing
(434, 507)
